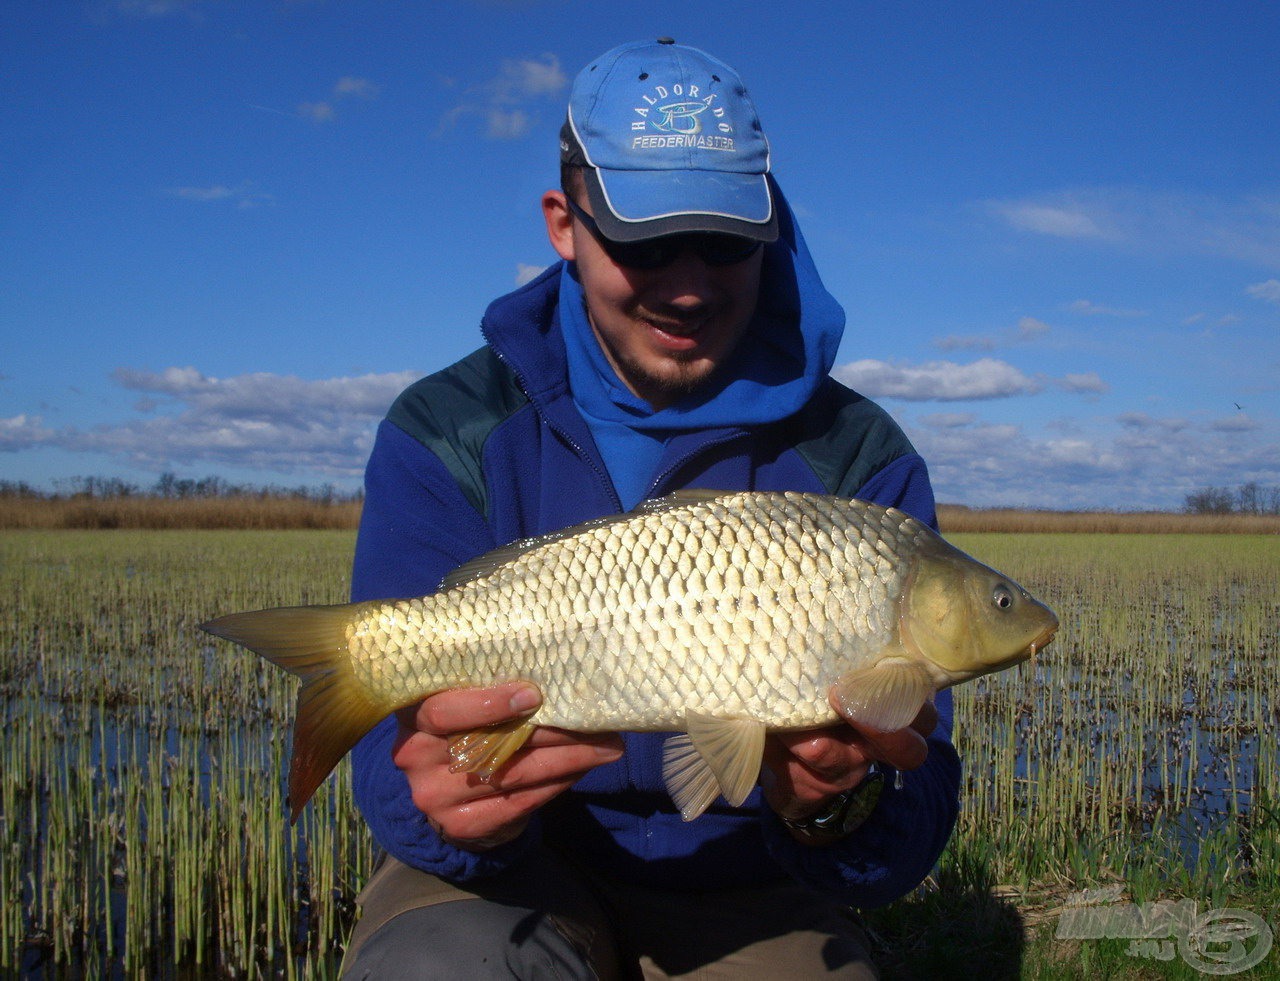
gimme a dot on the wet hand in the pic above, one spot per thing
(463, 809)
(803, 771)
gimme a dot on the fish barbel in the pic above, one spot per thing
(719, 616)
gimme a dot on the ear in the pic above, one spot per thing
(559, 221)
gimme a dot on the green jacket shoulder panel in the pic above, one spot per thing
(454, 411)
(846, 438)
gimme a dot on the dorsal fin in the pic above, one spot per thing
(490, 562)
(681, 499)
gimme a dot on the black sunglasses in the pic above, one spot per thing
(713, 248)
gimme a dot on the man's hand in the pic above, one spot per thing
(464, 810)
(805, 770)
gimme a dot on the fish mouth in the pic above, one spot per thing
(1041, 642)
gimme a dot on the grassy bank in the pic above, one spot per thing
(141, 765)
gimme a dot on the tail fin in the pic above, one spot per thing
(334, 709)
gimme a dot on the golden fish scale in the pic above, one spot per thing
(742, 606)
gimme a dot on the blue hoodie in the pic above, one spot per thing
(500, 447)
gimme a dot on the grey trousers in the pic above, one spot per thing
(546, 918)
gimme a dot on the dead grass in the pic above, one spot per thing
(239, 512)
(280, 512)
(955, 518)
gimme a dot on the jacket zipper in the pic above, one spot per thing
(688, 458)
(601, 475)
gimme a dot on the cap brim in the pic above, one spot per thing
(631, 205)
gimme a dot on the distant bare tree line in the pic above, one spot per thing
(1248, 498)
(171, 487)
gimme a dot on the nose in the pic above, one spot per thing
(688, 283)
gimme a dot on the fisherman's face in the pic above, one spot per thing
(664, 330)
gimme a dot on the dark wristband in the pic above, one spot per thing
(843, 813)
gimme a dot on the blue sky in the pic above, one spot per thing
(232, 230)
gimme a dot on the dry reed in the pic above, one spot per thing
(247, 512)
(267, 511)
(955, 518)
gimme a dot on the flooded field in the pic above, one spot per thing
(142, 823)
(1143, 742)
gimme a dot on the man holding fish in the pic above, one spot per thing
(684, 342)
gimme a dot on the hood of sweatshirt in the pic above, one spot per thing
(541, 331)
(786, 352)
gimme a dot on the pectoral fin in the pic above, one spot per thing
(717, 757)
(482, 751)
(885, 696)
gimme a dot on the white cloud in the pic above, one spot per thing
(22, 432)
(317, 112)
(1027, 329)
(1088, 381)
(1268, 291)
(259, 421)
(963, 342)
(1091, 309)
(242, 195)
(506, 101)
(171, 381)
(1239, 423)
(156, 8)
(1061, 222)
(506, 124)
(1070, 456)
(322, 429)
(529, 78)
(1144, 422)
(216, 192)
(350, 85)
(1143, 462)
(1154, 222)
(1030, 328)
(526, 273)
(268, 396)
(987, 378)
(323, 110)
(949, 420)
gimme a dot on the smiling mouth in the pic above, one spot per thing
(683, 329)
(680, 339)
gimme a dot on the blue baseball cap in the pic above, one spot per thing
(670, 142)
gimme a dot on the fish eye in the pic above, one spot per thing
(1002, 596)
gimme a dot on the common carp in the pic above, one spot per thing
(717, 616)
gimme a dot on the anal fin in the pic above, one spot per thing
(483, 751)
(718, 757)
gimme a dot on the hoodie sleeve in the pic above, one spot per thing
(893, 851)
(416, 526)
